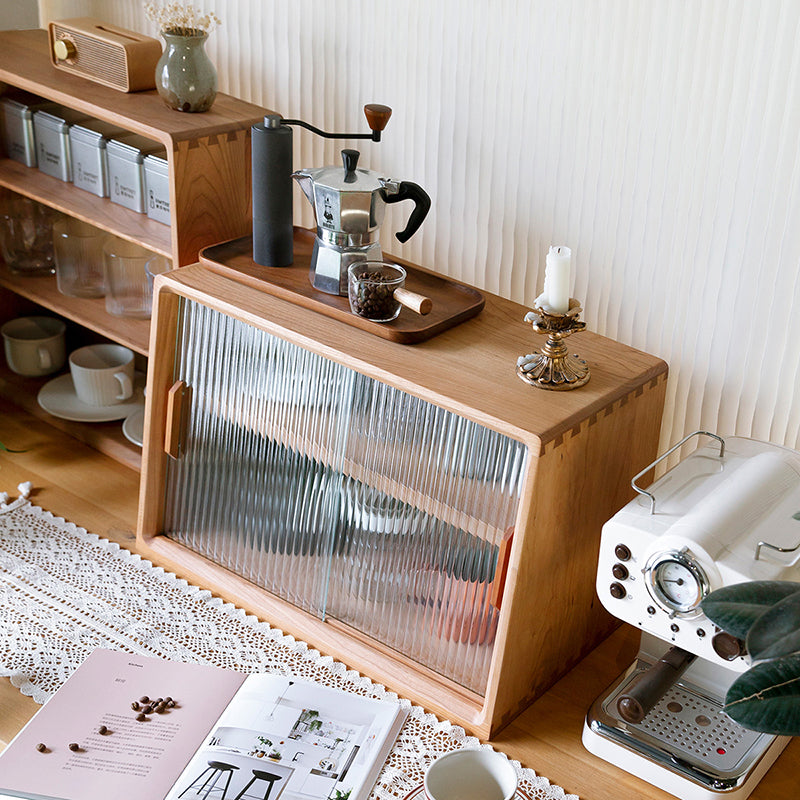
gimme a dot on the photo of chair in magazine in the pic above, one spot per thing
(130, 726)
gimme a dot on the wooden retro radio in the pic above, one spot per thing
(416, 511)
(103, 53)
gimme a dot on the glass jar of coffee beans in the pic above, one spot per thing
(370, 288)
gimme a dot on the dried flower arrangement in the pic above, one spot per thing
(176, 19)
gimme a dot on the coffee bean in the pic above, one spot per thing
(144, 699)
(135, 706)
(141, 717)
(102, 730)
(74, 746)
(41, 747)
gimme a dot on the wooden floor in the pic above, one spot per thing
(87, 488)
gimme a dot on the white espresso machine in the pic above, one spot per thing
(722, 516)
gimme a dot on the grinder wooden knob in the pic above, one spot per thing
(377, 116)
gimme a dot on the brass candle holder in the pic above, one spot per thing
(554, 367)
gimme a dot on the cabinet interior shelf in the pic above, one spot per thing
(88, 312)
(97, 211)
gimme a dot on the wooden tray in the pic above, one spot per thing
(453, 302)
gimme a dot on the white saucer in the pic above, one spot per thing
(57, 397)
(133, 427)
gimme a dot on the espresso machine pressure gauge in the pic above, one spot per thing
(676, 581)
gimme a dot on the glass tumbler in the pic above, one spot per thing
(26, 235)
(370, 289)
(127, 286)
(78, 250)
(156, 265)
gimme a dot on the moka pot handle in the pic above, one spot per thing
(422, 204)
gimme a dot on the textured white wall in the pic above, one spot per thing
(658, 139)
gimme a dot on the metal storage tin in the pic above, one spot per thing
(126, 170)
(16, 109)
(89, 161)
(51, 129)
(156, 176)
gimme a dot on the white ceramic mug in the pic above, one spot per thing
(34, 346)
(471, 775)
(102, 374)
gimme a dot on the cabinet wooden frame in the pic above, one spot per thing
(209, 161)
(583, 445)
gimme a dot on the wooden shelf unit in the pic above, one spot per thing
(210, 193)
(583, 447)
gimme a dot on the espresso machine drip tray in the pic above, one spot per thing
(686, 744)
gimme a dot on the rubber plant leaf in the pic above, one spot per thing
(766, 698)
(776, 632)
(735, 608)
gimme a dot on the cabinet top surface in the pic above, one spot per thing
(25, 63)
(470, 368)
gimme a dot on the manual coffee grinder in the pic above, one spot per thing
(272, 180)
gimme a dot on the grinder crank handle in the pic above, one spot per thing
(649, 687)
(422, 205)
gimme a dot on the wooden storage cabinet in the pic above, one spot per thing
(210, 189)
(516, 479)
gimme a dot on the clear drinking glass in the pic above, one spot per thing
(26, 235)
(79, 258)
(128, 291)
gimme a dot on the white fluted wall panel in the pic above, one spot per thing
(659, 140)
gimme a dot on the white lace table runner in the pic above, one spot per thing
(65, 592)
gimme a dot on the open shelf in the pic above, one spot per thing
(107, 437)
(97, 211)
(88, 312)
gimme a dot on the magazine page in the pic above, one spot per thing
(89, 742)
(294, 740)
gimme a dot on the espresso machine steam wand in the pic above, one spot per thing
(273, 243)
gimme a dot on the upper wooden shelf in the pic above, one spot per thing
(25, 63)
(97, 211)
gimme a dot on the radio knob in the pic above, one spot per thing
(622, 552)
(64, 49)
(619, 571)
(617, 591)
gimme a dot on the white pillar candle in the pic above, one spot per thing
(556, 279)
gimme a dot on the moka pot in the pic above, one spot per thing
(349, 206)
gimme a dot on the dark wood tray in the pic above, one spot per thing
(453, 302)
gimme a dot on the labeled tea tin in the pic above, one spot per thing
(51, 129)
(126, 181)
(88, 142)
(156, 175)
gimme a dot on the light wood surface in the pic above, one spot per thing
(448, 302)
(87, 488)
(583, 448)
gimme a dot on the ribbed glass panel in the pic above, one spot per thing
(344, 496)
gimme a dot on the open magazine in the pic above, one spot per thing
(126, 726)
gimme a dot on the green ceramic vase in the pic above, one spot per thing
(186, 79)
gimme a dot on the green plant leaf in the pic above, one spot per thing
(767, 697)
(776, 632)
(9, 450)
(735, 608)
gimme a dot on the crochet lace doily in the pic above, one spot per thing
(65, 592)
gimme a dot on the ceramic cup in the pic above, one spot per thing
(471, 775)
(34, 346)
(102, 374)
